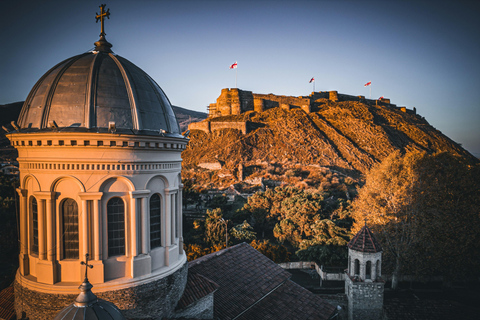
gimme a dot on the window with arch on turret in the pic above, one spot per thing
(368, 270)
(357, 267)
(116, 227)
(155, 222)
(70, 229)
(377, 269)
(34, 208)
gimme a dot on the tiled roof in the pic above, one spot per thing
(7, 299)
(290, 302)
(365, 241)
(197, 287)
(247, 279)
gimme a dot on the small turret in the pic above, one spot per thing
(363, 285)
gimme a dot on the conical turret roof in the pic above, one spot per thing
(365, 241)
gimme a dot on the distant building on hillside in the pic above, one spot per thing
(236, 101)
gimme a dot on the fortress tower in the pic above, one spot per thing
(363, 284)
(100, 161)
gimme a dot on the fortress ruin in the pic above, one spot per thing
(235, 101)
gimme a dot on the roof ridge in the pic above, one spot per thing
(258, 301)
(212, 255)
(372, 238)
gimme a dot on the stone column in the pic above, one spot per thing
(97, 222)
(180, 218)
(135, 213)
(173, 226)
(93, 235)
(133, 227)
(50, 227)
(84, 240)
(23, 257)
(45, 268)
(166, 224)
(140, 264)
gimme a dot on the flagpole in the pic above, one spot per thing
(370, 97)
(314, 86)
(236, 77)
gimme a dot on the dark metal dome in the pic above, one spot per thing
(90, 91)
(88, 307)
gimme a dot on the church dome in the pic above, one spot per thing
(91, 91)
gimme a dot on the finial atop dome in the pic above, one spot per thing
(87, 306)
(85, 263)
(102, 44)
(86, 296)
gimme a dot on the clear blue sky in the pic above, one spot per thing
(423, 54)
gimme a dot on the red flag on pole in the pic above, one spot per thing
(234, 66)
(369, 83)
(311, 80)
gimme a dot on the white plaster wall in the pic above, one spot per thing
(90, 173)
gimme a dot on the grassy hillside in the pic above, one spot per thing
(348, 137)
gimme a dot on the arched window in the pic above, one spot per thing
(377, 269)
(116, 227)
(368, 270)
(357, 267)
(70, 229)
(155, 222)
(34, 245)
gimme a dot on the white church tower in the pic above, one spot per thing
(99, 152)
(364, 286)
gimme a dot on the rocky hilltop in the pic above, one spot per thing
(344, 133)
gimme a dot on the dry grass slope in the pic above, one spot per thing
(346, 136)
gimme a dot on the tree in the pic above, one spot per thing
(189, 194)
(219, 201)
(243, 231)
(194, 251)
(214, 228)
(424, 210)
(326, 232)
(330, 255)
(275, 252)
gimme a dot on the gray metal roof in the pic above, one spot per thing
(87, 91)
(88, 307)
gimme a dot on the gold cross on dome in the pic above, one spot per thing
(101, 17)
(85, 263)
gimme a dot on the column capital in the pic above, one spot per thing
(139, 194)
(22, 192)
(45, 195)
(170, 191)
(90, 195)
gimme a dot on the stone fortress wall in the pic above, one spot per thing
(236, 101)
